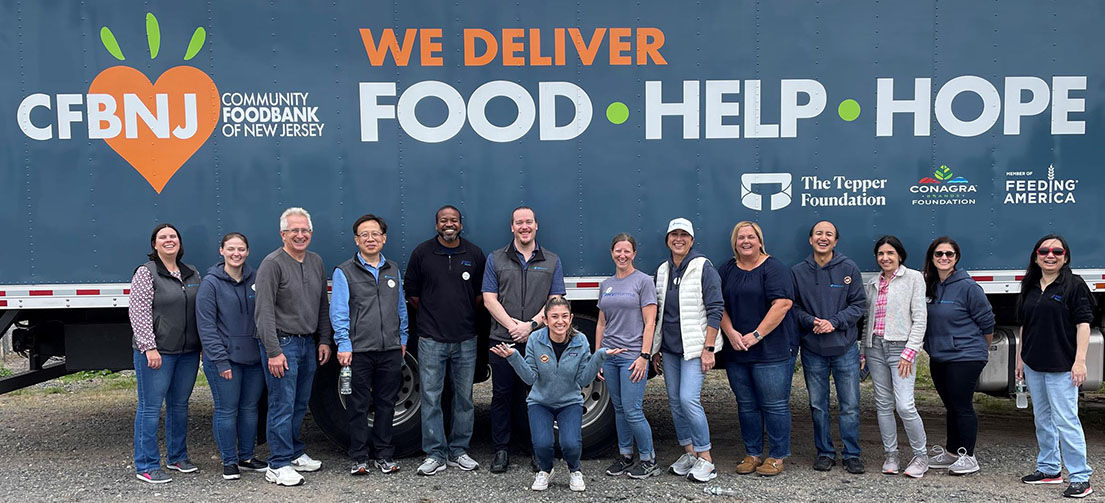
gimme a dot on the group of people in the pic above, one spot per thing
(754, 315)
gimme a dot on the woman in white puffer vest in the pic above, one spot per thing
(688, 294)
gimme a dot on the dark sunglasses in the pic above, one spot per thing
(942, 253)
(1058, 252)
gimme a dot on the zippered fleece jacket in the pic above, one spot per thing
(224, 315)
(833, 292)
(557, 383)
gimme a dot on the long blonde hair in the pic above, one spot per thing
(755, 228)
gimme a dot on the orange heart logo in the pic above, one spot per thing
(158, 156)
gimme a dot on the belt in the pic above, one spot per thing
(282, 333)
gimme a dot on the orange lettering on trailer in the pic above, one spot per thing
(535, 57)
(619, 46)
(389, 45)
(558, 46)
(649, 42)
(586, 51)
(511, 47)
(429, 43)
(470, 37)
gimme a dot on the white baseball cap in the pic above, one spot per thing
(681, 224)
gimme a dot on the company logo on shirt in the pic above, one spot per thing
(466, 263)
(544, 358)
(847, 280)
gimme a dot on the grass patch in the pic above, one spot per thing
(5, 372)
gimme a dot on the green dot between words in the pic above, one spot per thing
(617, 112)
(848, 110)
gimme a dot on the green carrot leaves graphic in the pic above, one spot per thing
(153, 37)
(153, 34)
(110, 43)
(197, 42)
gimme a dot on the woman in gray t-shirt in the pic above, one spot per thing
(627, 319)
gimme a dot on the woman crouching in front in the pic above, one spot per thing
(558, 364)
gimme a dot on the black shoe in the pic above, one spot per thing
(533, 464)
(644, 470)
(1038, 477)
(501, 462)
(253, 465)
(853, 466)
(230, 472)
(1078, 490)
(824, 463)
(619, 466)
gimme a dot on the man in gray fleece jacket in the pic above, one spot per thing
(292, 310)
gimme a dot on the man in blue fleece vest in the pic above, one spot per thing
(829, 302)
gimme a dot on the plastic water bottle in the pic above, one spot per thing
(345, 380)
(719, 491)
(1022, 394)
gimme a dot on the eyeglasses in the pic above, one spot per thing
(373, 234)
(298, 230)
(942, 253)
(1058, 252)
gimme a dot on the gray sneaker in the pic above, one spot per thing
(941, 458)
(154, 477)
(890, 466)
(430, 467)
(387, 465)
(703, 471)
(964, 465)
(464, 462)
(917, 466)
(644, 470)
(683, 465)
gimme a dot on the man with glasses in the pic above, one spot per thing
(369, 314)
(291, 312)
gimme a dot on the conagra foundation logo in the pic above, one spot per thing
(156, 127)
(943, 188)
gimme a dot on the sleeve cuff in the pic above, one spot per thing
(222, 366)
(345, 347)
(908, 354)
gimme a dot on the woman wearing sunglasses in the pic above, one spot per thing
(1055, 309)
(957, 339)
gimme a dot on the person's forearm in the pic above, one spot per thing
(774, 316)
(649, 313)
(1083, 339)
(498, 312)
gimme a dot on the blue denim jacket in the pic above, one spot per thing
(556, 383)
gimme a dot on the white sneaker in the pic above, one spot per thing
(703, 471)
(940, 458)
(964, 465)
(304, 463)
(430, 466)
(541, 480)
(283, 476)
(917, 466)
(576, 483)
(890, 466)
(464, 462)
(683, 465)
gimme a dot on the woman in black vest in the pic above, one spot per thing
(166, 353)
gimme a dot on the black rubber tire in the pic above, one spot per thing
(328, 409)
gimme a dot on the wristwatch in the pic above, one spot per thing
(756, 334)
(533, 325)
(709, 348)
(646, 356)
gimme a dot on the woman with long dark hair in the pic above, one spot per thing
(166, 353)
(1055, 309)
(957, 339)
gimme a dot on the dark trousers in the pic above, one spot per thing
(508, 399)
(955, 382)
(376, 379)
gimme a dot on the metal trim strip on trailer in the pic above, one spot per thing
(116, 295)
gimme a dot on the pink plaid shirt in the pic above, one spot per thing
(880, 305)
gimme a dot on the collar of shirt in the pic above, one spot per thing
(373, 269)
(524, 260)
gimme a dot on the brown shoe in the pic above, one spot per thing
(771, 467)
(749, 465)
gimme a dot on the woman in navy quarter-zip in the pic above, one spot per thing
(957, 339)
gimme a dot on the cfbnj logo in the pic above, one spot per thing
(754, 201)
(155, 127)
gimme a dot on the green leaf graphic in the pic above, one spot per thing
(110, 44)
(153, 34)
(942, 173)
(196, 44)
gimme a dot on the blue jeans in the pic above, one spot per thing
(434, 358)
(288, 397)
(763, 398)
(1055, 409)
(845, 371)
(683, 379)
(172, 385)
(629, 413)
(569, 422)
(235, 417)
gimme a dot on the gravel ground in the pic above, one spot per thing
(72, 441)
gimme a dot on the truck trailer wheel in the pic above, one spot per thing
(599, 431)
(328, 408)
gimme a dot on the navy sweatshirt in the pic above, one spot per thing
(834, 293)
(224, 316)
(958, 317)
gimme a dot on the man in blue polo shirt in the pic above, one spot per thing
(369, 315)
(517, 281)
(443, 285)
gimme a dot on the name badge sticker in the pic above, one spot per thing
(465, 276)
(391, 283)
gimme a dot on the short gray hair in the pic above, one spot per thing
(294, 210)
